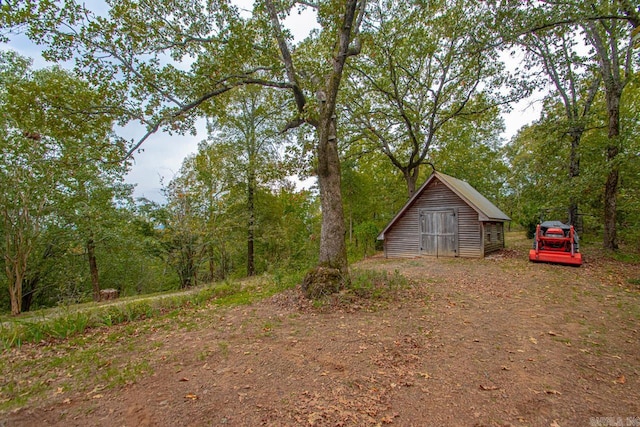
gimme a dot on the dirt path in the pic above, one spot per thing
(494, 342)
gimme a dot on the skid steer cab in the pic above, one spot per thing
(556, 242)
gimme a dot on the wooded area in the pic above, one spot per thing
(379, 90)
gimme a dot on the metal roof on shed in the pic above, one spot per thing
(487, 211)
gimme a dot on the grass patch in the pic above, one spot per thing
(365, 289)
(69, 321)
(625, 256)
(98, 346)
(376, 285)
(634, 282)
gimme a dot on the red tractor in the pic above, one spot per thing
(556, 242)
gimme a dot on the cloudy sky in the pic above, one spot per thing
(162, 154)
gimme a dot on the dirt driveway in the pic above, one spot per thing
(493, 342)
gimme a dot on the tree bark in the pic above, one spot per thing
(16, 254)
(15, 274)
(15, 290)
(611, 186)
(574, 172)
(411, 178)
(212, 262)
(333, 248)
(93, 268)
(613, 61)
(333, 251)
(251, 185)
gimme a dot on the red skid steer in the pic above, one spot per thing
(556, 242)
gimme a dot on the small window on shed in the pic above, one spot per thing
(499, 232)
(487, 231)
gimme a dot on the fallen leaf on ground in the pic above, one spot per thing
(191, 396)
(388, 419)
(314, 417)
(621, 379)
(533, 340)
(488, 387)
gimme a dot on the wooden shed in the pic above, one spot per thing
(445, 217)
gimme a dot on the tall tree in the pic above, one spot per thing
(426, 66)
(576, 86)
(612, 47)
(326, 84)
(51, 138)
(538, 157)
(607, 27)
(470, 148)
(136, 48)
(247, 130)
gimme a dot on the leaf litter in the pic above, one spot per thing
(454, 348)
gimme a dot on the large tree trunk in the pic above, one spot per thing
(332, 272)
(15, 273)
(333, 251)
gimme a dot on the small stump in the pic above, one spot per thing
(108, 294)
(322, 281)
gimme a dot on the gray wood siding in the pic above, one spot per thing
(494, 237)
(403, 239)
(439, 232)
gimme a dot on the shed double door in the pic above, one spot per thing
(439, 232)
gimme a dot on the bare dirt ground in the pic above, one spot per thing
(493, 342)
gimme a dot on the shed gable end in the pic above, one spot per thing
(403, 238)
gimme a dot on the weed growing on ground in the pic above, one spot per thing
(223, 346)
(376, 285)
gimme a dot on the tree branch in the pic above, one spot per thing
(188, 107)
(286, 56)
